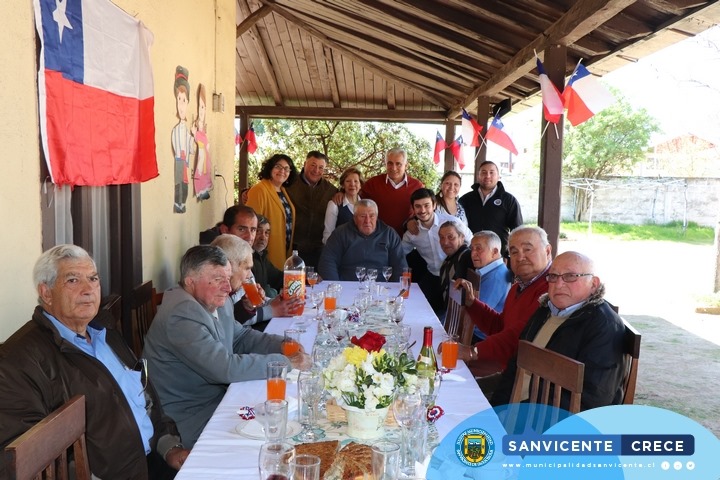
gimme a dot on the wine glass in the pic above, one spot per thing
(360, 273)
(338, 328)
(372, 274)
(310, 388)
(387, 272)
(317, 299)
(429, 387)
(312, 277)
(274, 460)
(408, 411)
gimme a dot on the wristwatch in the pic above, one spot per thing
(474, 353)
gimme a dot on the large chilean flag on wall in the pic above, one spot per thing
(95, 89)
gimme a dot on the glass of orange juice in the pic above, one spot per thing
(251, 291)
(331, 295)
(291, 343)
(276, 380)
(450, 351)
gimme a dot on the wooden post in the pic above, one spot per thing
(243, 157)
(449, 138)
(483, 116)
(551, 146)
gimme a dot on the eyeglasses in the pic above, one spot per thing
(280, 167)
(566, 277)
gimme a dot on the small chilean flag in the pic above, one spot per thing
(456, 149)
(440, 145)
(251, 140)
(584, 96)
(95, 93)
(552, 102)
(495, 134)
(470, 129)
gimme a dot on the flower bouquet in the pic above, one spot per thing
(365, 376)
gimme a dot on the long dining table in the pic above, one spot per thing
(222, 453)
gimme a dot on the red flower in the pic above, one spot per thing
(371, 341)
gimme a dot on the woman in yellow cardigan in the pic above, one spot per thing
(269, 198)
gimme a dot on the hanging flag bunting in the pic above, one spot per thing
(470, 129)
(238, 138)
(456, 149)
(95, 93)
(440, 145)
(495, 134)
(251, 140)
(551, 99)
(584, 96)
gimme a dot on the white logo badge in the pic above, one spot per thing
(498, 202)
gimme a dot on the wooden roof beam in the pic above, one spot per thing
(576, 23)
(332, 79)
(361, 114)
(252, 19)
(353, 54)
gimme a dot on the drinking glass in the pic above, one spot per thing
(429, 387)
(338, 328)
(251, 291)
(385, 460)
(276, 376)
(408, 410)
(274, 460)
(450, 351)
(387, 272)
(331, 295)
(405, 283)
(317, 299)
(362, 302)
(395, 309)
(360, 273)
(312, 277)
(371, 274)
(291, 342)
(310, 388)
(305, 467)
(272, 416)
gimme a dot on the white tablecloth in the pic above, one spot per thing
(221, 453)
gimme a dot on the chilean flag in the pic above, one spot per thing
(470, 129)
(440, 145)
(495, 134)
(584, 96)
(552, 102)
(456, 149)
(95, 88)
(251, 140)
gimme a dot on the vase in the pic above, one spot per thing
(365, 424)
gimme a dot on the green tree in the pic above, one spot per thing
(346, 144)
(610, 143)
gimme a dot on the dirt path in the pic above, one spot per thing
(655, 284)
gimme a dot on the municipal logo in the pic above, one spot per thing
(498, 202)
(474, 447)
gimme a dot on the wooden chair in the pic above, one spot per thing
(142, 314)
(113, 305)
(456, 321)
(557, 372)
(631, 350)
(43, 448)
(474, 278)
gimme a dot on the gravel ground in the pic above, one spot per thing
(656, 285)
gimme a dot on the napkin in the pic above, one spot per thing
(453, 377)
(421, 468)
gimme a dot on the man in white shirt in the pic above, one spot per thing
(427, 244)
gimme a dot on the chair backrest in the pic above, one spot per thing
(43, 448)
(456, 320)
(556, 371)
(474, 278)
(142, 314)
(631, 351)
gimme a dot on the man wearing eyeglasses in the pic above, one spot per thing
(530, 259)
(574, 320)
(310, 193)
(66, 350)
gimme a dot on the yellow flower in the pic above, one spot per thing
(355, 355)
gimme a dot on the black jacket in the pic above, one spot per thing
(593, 335)
(500, 214)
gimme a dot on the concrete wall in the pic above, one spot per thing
(198, 35)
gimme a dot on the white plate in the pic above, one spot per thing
(253, 429)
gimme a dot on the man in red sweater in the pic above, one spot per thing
(391, 191)
(530, 259)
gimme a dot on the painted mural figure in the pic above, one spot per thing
(183, 144)
(203, 175)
